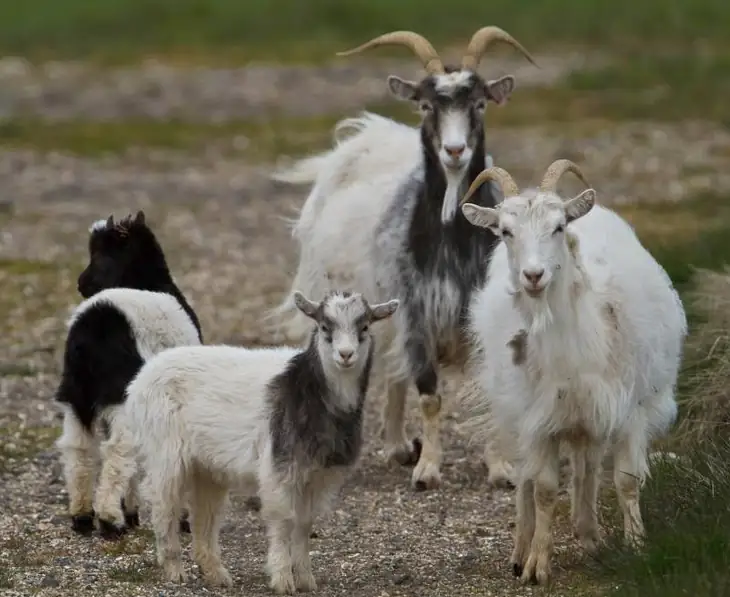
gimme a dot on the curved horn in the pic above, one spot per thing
(500, 175)
(556, 170)
(481, 40)
(420, 46)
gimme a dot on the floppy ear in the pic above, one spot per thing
(384, 310)
(402, 89)
(483, 217)
(579, 205)
(500, 89)
(309, 308)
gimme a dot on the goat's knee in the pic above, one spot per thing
(427, 474)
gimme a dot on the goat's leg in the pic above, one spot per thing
(164, 490)
(118, 466)
(301, 561)
(78, 454)
(279, 560)
(130, 504)
(501, 472)
(586, 457)
(208, 503)
(629, 470)
(537, 567)
(525, 525)
(398, 447)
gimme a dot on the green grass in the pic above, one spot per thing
(685, 508)
(123, 29)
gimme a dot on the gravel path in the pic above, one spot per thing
(220, 222)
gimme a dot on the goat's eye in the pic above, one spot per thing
(506, 233)
(558, 229)
(480, 105)
(425, 107)
(365, 329)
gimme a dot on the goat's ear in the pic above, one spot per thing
(483, 217)
(402, 89)
(579, 205)
(500, 89)
(384, 310)
(309, 308)
(110, 221)
(139, 218)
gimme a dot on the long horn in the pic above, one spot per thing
(481, 40)
(556, 170)
(500, 175)
(421, 47)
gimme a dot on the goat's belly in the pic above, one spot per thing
(585, 406)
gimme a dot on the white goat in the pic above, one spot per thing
(284, 420)
(389, 193)
(584, 335)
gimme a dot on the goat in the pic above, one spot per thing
(284, 420)
(584, 335)
(389, 193)
(132, 309)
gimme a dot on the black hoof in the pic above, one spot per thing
(420, 486)
(83, 524)
(533, 580)
(314, 535)
(185, 525)
(253, 503)
(516, 570)
(131, 519)
(110, 531)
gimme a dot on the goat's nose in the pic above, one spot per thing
(455, 151)
(346, 354)
(533, 275)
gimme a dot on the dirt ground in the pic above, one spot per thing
(221, 224)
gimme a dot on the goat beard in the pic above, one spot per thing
(454, 181)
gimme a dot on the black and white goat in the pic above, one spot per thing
(286, 421)
(133, 310)
(382, 219)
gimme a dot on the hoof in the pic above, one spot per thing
(426, 476)
(131, 520)
(314, 535)
(517, 570)
(406, 454)
(110, 531)
(83, 524)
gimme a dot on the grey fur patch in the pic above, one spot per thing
(518, 344)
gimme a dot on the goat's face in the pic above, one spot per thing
(125, 254)
(452, 107)
(343, 320)
(532, 226)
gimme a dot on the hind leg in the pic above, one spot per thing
(208, 503)
(398, 447)
(118, 467)
(79, 457)
(629, 471)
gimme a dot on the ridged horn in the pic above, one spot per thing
(500, 175)
(420, 46)
(556, 170)
(480, 42)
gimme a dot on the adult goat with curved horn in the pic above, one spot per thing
(379, 198)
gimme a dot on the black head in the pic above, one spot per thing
(125, 254)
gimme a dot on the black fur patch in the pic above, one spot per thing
(99, 361)
(304, 423)
(128, 255)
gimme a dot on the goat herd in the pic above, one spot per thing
(567, 328)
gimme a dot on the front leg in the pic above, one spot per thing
(427, 474)
(547, 469)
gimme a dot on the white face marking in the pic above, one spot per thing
(342, 322)
(532, 227)
(446, 83)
